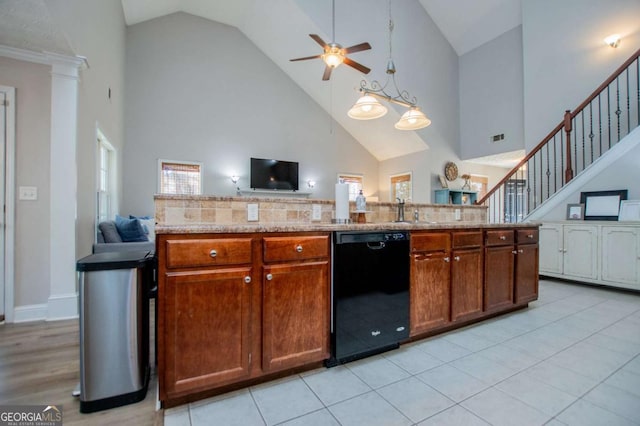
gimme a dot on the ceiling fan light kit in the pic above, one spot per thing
(334, 54)
(413, 119)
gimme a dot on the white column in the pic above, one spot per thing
(63, 296)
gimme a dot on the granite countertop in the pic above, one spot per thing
(328, 227)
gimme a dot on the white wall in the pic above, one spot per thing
(491, 96)
(565, 58)
(33, 124)
(198, 90)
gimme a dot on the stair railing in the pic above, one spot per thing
(602, 120)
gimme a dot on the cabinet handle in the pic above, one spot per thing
(503, 237)
(456, 258)
(514, 252)
(213, 253)
(446, 259)
(521, 251)
(247, 279)
(560, 251)
(299, 248)
(269, 277)
(564, 251)
(530, 236)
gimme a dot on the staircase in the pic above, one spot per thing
(584, 135)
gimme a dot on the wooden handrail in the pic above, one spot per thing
(566, 124)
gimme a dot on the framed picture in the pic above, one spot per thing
(443, 181)
(629, 211)
(575, 211)
(602, 205)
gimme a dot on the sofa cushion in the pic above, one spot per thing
(148, 224)
(130, 230)
(109, 232)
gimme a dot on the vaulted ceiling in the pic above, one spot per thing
(280, 27)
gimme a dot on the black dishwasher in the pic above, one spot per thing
(370, 293)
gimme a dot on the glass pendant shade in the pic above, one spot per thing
(333, 57)
(367, 108)
(413, 119)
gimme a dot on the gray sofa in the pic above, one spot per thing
(108, 240)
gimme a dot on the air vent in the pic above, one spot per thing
(497, 138)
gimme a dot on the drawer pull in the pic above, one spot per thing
(247, 279)
(269, 277)
(530, 236)
(456, 258)
(299, 248)
(213, 253)
(514, 252)
(521, 251)
(503, 237)
(446, 259)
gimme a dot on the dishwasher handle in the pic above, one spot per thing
(380, 245)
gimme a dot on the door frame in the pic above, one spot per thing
(9, 201)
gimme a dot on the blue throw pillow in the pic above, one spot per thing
(130, 230)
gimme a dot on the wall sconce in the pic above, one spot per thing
(311, 183)
(613, 40)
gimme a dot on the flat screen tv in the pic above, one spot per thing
(274, 174)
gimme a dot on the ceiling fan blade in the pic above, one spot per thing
(318, 40)
(327, 73)
(305, 58)
(358, 48)
(359, 67)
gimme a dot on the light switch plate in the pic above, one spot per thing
(316, 212)
(28, 193)
(457, 214)
(252, 212)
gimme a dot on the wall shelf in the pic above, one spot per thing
(455, 196)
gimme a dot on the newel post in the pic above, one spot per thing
(568, 173)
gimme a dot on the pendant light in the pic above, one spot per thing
(368, 107)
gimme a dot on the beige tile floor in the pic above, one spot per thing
(572, 357)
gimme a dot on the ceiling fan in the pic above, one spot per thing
(334, 54)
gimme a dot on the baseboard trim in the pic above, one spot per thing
(61, 307)
(29, 313)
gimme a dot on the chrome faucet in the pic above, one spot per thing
(400, 210)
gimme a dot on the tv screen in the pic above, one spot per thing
(274, 174)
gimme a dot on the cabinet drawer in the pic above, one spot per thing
(499, 238)
(527, 236)
(467, 239)
(295, 248)
(437, 241)
(208, 252)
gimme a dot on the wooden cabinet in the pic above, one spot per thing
(621, 264)
(598, 252)
(466, 275)
(430, 289)
(446, 278)
(206, 329)
(499, 270)
(526, 267)
(234, 308)
(204, 321)
(295, 308)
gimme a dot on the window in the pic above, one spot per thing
(401, 186)
(107, 198)
(179, 177)
(479, 184)
(355, 184)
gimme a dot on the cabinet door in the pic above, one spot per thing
(206, 329)
(295, 327)
(498, 287)
(581, 251)
(430, 291)
(466, 284)
(526, 275)
(621, 255)
(551, 249)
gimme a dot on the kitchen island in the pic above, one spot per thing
(244, 303)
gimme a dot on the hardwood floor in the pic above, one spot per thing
(40, 364)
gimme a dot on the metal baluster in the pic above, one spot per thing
(562, 158)
(548, 174)
(609, 114)
(575, 149)
(591, 135)
(618, 111)
(628, 105)
(555, 165)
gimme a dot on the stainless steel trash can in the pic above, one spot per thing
(114, 328)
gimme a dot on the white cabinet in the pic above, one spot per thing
(622, 263)
(601, 253)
